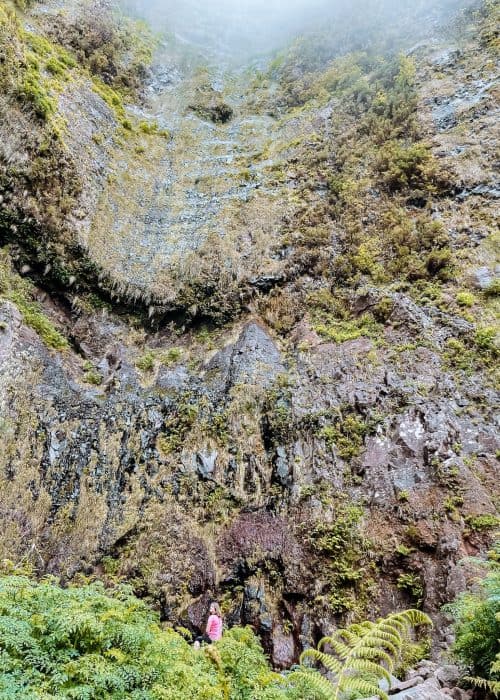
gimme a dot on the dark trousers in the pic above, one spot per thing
(203, 639)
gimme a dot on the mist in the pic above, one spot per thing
(239, 29)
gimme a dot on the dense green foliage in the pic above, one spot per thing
(359, 656)
(87, 643)
(477, 627)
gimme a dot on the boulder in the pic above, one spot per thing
(399, 686)
(448, 675)
(428, 690)
(460, 694)
(481, 277)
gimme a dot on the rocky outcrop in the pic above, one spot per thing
(428, 681)
(133, 474)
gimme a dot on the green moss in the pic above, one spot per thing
(20, 292)
(465, 299)
(486, 339)
(479, 523)
(43, 60)
(457, 356)
(32, 89)
(34, 317)
(341, 331)
(146, 362)
(112, 98)
(55, 67)
(347, 432)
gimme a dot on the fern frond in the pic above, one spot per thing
(313, 681)
(339, 647)
(372, 654)
(328, 661)
(366, 687)
(367, 666)
(377, 641)
(490, 686)
(411, 618)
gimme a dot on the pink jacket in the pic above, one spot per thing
(214, 627)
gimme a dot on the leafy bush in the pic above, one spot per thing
(344, 548)
(477, 627)
(88, 643)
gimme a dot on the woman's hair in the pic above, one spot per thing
(216, 606)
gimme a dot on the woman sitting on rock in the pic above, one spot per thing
(213, 631)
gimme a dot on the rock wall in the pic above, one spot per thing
(327, 449)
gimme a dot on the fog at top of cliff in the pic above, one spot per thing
(242, 28)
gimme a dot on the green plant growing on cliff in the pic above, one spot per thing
(412, 583)
(343, 549)
(480, 523)
(20, 292)
(477, 628)
(347, 432)
(146, 362)
(360, 656)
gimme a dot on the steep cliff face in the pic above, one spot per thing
(305, 427)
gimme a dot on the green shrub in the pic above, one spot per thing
(477, 626)
(406, 166)
(412, 583)
(171, 356)
(343, 549)
(403, 550)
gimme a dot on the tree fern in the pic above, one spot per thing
(359, 657)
